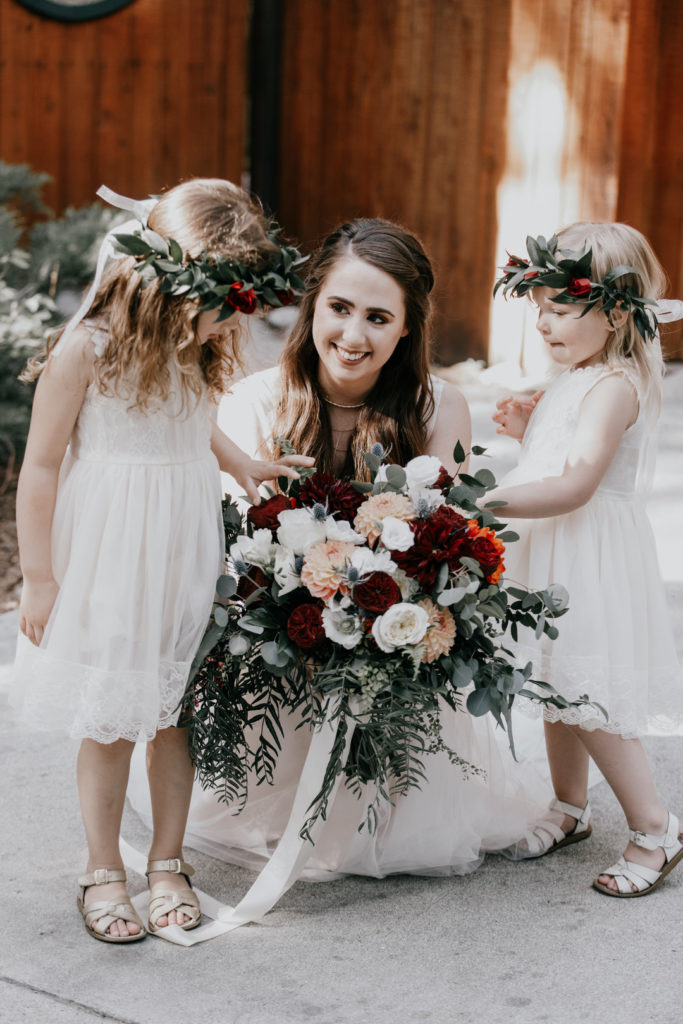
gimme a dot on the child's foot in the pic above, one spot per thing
(646, 860)
(564, 824)
(106, 908)
(172, 899)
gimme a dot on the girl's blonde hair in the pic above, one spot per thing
(614, 245)
(150, 332)
(401, 403)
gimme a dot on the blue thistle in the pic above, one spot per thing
(319, 512)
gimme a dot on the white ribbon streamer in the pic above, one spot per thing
(141, 208)
(287, 860)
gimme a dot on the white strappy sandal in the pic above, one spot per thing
(162, 900)
(546, 836)
(626, 873)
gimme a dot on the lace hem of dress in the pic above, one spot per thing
(98, 704)
(625, 694)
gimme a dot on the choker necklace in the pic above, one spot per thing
(338, 405)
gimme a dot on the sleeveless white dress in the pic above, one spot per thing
(137, 543)
(444, 828)
(615, 643)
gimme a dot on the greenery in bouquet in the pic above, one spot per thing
(372, 603)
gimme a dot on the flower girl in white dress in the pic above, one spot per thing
(576, 498)
(120, 527)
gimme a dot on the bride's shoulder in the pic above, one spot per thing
(263, 385)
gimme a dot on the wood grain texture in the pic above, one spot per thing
(140, 99)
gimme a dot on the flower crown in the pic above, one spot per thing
(550, 267)
(222, 283)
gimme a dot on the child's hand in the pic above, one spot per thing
(37, 601)
(513, 414)
(254, 472)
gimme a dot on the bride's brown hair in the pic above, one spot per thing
(399, 407)
(150, 331)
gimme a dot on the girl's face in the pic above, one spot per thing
(358, 320)
(207, 326)
(572, 339)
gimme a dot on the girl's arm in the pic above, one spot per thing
(606, 412)
(57, 402)
(453, 423)
(249, 473)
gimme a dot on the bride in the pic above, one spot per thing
(355, 371)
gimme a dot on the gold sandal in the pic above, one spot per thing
(99, 916)
(162, 901)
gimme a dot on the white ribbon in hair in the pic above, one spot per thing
(668, 310)
(141, 208)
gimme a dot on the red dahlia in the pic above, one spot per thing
(438, 539)
(246, 585)
(339, 495)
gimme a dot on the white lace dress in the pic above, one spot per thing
(137, 544)
(444, 828)
(616, 642)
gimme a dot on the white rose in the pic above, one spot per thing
(396, 534)
(367, 561)
(298, 530)
(422, 471)
(342, 628)
(402, 624)
(341, 530)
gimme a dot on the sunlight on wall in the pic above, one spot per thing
(534, 198)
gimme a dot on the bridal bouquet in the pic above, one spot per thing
(376, 602)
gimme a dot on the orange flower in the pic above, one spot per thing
(369, 517)
(324, 567)
(487, 548)
(440, 633)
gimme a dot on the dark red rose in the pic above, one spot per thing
(438, 539)
(444, 481)
(243, 301)
(532, 273)
(265, 515)
(377, 593)
(246, 585)
(285, 297)
(515, 262)
(305, 626)
(580, 286)
(340, 497)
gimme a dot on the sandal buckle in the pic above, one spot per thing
(638, 838)
(175, 866)
(101, 876)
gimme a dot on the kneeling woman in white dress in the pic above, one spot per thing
(355, 371)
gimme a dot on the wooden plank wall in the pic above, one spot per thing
(400, 110)
(396, 110)
(139, 99)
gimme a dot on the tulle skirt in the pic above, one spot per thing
(446, 827)
(137, 550)
(616, 641)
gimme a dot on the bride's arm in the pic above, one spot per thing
(453, 423)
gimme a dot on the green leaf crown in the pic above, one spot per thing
(570, 271)
(220, 282)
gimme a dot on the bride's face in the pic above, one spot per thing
(358, 320)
